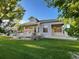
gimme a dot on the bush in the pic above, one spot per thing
(5, 37)
(73, 31)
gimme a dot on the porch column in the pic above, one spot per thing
(24, 29)
(38, 26)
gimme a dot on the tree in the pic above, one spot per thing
(21, 28)
(69, 9)
(10, 10)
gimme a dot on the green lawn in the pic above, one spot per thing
(41, 49)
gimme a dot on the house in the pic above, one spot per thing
(47, 28)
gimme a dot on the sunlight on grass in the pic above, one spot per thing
(34, 46)
(75, 46)
(1, 45)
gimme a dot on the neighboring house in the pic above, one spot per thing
(47, 28)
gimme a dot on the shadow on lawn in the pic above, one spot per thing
(43, 49)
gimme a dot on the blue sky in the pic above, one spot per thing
(38, 9)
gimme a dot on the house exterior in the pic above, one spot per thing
(46, 28)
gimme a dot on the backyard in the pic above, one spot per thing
(37, 49)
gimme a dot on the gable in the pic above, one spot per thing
(32, 19)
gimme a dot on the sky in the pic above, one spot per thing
(38, 9)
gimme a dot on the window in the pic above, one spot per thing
(45, 29)
(35, 30)
(57, 29)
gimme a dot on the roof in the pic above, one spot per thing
(48, 21)
(31, 23)
(43, 21)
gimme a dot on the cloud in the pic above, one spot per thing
(22, 21)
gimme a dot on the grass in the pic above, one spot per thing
(41, 49)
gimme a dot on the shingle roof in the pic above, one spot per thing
(31, 23)
(42, 21)
(48, 21)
